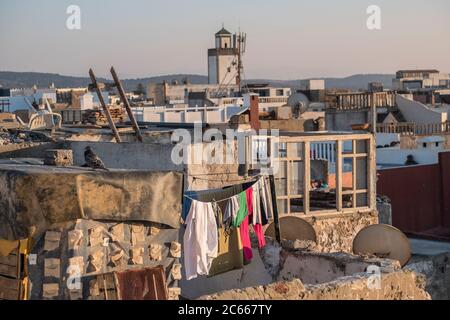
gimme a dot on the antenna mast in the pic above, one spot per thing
(241, 42)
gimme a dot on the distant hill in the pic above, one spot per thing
(28, 79)
(355, 82)
(42, 80)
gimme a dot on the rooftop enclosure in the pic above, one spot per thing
(329, 181)
(359, 101)
(351, 166)
(346, 109)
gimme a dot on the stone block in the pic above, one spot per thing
(59, 157)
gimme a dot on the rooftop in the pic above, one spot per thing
(223, 32)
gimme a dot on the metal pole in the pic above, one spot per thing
(276, 219)
(126, 104)
(373, 113)
(104, 107)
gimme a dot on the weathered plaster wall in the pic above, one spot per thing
(142, 156)
(436, 269)
(343, 120)
(315, 276)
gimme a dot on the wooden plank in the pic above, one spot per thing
(8, 271)
(306, 175)
(126, 104)
(10, 260)
(354, 175)
(372, 175)
(339, 175)
(9, 289)
(104, 107)
(276, 219)
(324, 137)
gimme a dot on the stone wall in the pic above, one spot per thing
(300, 275)
(436, 269)
(400, 285)
(335, 232)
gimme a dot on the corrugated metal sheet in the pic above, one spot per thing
(145, 284)
(420, 197)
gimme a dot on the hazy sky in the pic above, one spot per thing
(287, 39)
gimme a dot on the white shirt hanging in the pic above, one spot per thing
(200, 239)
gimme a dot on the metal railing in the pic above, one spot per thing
(360, 101)
(410, 128)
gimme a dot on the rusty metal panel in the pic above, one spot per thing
(145, 284)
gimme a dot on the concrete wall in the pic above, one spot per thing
(343, 120)
(417, 112)
(396, 156)
(383, 139)
(186, 115)
(141, 156)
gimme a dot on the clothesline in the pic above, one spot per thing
(209, 228)
(226, 199)
(218, 180)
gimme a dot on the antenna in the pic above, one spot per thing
(242, 40)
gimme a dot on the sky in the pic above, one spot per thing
(287, 39)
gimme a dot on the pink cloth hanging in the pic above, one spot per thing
(245, 238)
(260, 235)
(249, 196)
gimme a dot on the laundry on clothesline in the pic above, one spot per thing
(209, 216)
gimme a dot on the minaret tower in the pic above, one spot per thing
(223, 60)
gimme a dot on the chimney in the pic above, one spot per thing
(254, 112)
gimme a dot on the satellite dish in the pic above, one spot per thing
(385, 241)
(293, 228)
(299, 103)
(297, 99)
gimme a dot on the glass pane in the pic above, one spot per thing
(361, 146)
(347, 146)
(295, 150)
(282, 152)
(322, 195)
(361, 200)
(347, 201)
(296, 177)
(361, 173)
(282, 206)
(296, 205)
(281, 178)
(347, 174)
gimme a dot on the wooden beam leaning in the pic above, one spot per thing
(276, 218)
(306, 176)
(339, 175)
(96, 86)
(126, 104)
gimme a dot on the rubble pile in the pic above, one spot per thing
(97, 117)
(17, 137)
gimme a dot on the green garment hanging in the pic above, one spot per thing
(243, 210)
